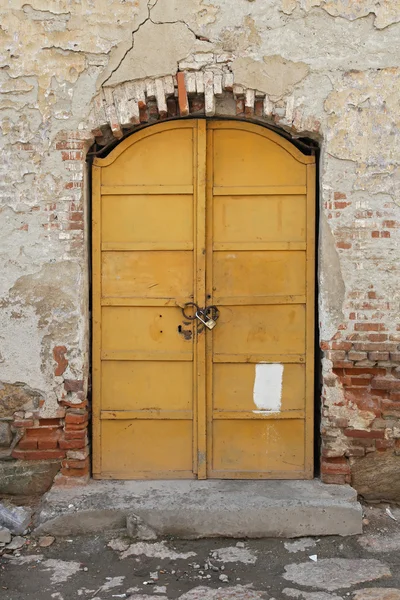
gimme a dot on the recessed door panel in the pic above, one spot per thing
(259, 218)
(260, 329)
(144, 274)
(256, 275)
(143, 329)
(146, 219)
(147, 385)
(249, 448)
(162, 157)
(248, 158)
(248, 387)
(146, 448)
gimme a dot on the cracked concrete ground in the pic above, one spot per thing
(103, 567)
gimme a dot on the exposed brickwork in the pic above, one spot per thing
(65, 438)
(361, 393)
(59, 356)
(182, 95)
(188, 93)
(361, 401)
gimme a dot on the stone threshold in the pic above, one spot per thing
(202, 509)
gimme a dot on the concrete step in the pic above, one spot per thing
(202, 509)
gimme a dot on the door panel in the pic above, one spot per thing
(146, 219)
(258, 219)
(143, 329)
(147, 447)
(249, 448)
(146, 385)
(258, 274)
(234, 387)
(144, 268)
(260, 254)
(273, 329)
(142, 274)
(216, 213)
(243, 157)
(155, 159)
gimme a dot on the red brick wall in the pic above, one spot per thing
(64, 438)
(361, 398)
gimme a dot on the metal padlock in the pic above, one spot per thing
(210, 323)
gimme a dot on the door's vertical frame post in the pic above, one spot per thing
(195, 424)
(96, 319)
(209, 292)
(200, 273)
(310, 318)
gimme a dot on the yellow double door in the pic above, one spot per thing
(213, 213)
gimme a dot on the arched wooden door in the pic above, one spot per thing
(216, 213)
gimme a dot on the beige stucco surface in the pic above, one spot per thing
(330, 70)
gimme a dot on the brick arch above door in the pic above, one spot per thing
(119, 110)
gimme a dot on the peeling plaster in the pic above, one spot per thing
(363, 116)
(386, 12)
(45, 15)
(42, 312)
(274, 75)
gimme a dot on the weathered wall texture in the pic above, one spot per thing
(71, 70)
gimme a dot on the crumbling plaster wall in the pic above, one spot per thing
(324, 69)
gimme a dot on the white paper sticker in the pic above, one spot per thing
(267, 391)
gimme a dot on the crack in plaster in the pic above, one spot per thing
(129, 49)
(150, 6)
(196, 35)
(204, 9)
